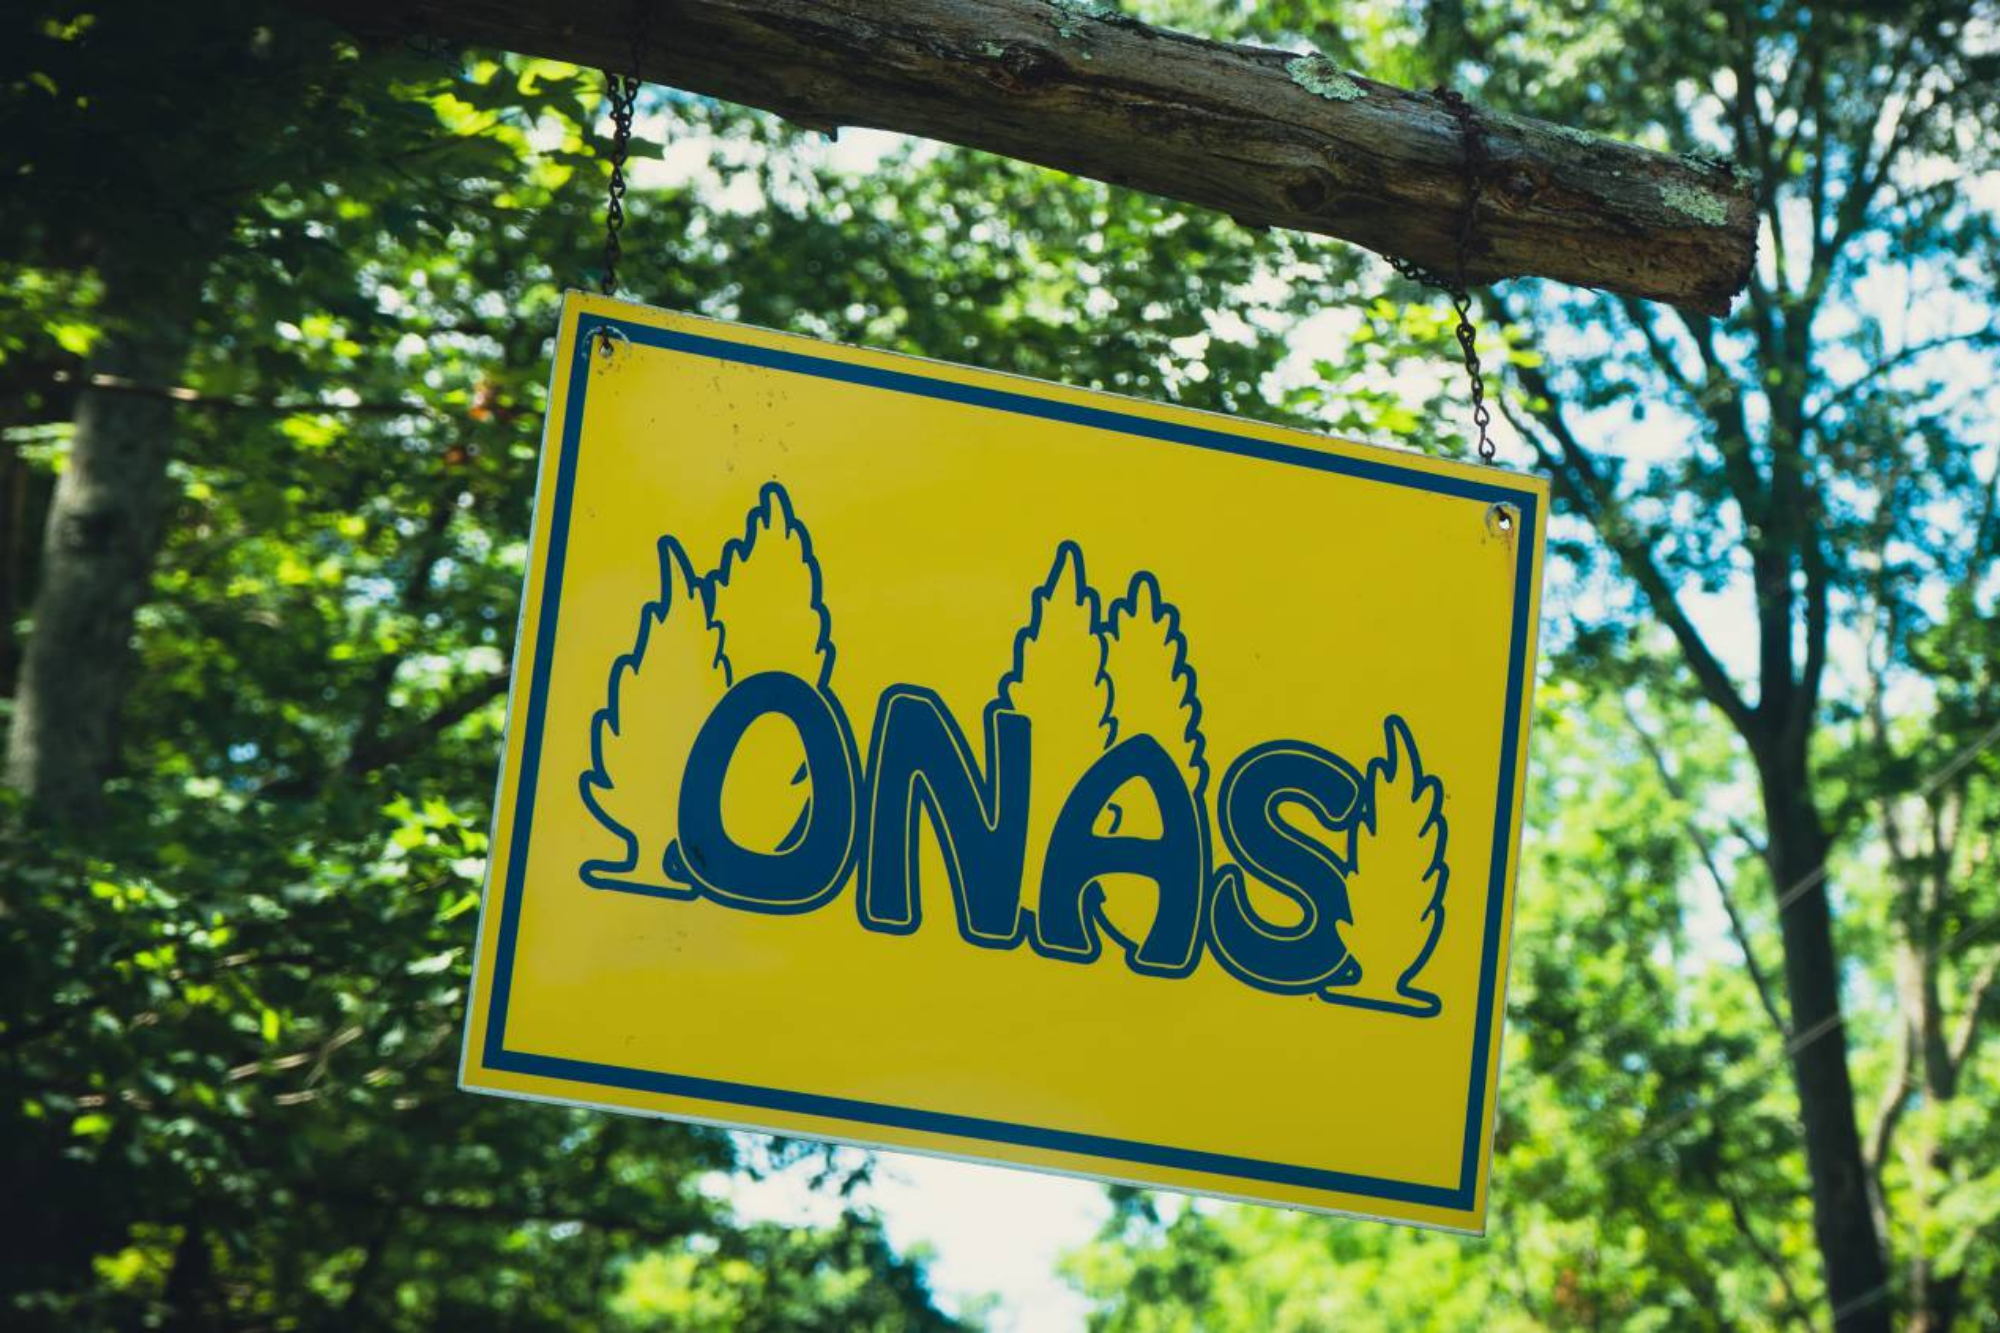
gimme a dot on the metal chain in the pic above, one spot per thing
(424, 42)
(1455, 286)
(623, 90)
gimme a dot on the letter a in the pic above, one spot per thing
(1071, 904)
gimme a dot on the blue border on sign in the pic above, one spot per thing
(497, 1056)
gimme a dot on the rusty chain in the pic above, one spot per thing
(1455, 285)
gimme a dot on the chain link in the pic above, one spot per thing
(623, 90)
(1455, 286)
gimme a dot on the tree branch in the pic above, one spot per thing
(1988, 336)
(379, 752)
(1578, 479)
(426, 551)
(1748, 836)
(1721, 401)
(1872, 166)
(1753, 140)
(1662, 355)
(1269, 137)
(102, 383)
(1888, 1118)
(1988, 526)
(1765, 994)
(383, 751)
(1804, 701)
(1977, 996)
(1796, 1310)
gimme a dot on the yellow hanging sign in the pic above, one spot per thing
(922, 757)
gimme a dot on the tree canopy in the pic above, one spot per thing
(271, 377)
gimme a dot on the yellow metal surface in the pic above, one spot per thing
(915, 756)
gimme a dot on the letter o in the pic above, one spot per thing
(811, 870)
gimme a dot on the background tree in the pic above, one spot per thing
(271, 388)
(1810, 470)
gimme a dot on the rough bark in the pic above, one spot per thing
(1270, 137)
(98, 542)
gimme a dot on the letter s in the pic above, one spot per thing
(1297, 959)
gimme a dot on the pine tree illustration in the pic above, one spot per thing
(766, 594)
(1146, 656)
(661, 691)
(1058, 680)
(1396, 889)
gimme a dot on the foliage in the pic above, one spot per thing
(1785, 514)
(228, 1013)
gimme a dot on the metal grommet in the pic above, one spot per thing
(1502, 519)
(609, 337)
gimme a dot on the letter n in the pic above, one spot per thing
(919, 764)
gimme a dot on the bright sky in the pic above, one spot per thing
(992, 1231)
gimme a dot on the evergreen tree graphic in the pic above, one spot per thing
(661, 692)
(1395, 890)
(766, 595)
(1146, 657)
(1058, 680)
(1083, 679)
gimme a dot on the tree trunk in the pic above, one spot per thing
(1272, 138)
(1923, 887)
(1935, 1307)
(189, 1283)
(1851, 1253)
(98, 543)
(24, 498)
(14, 485)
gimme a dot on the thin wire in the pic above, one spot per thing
(1950, 948)
(1651, 1133)
(1861, 1302)
(1931, 784)
(1965, 938)
(1831, 1023)
(1943, 774)
(1958, 762)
